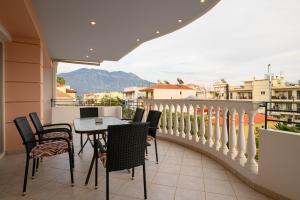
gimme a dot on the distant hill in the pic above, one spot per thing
(94, 80)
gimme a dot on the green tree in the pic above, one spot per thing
(60, 80)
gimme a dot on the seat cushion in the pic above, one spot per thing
(49, 149)
(103, 158)
(150, 138)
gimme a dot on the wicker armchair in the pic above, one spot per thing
(153, 119)
(138, 115)
(87, 112)
(63, 130)
(125, 150)
(39, 148)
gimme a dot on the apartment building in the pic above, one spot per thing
(275, 89)
(169, 91)
(133, 93)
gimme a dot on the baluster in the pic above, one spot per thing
(176, 132)
(159, 122)
(182, 121)
(170, 130)
(224, 132)
(217, 129)
(232, 135)
(241, 139)
(251, 144)
(164, 119)
(188, 123)
(202, 125)
(210, 129)
(195, 127)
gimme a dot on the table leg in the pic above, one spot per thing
(90, 170)
(96, 161)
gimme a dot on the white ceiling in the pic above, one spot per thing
(69, 35)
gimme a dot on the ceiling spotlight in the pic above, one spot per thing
(138, 39)
(87, 56)
(179, 21)
(93, 23)
(157, 32)
(91, 49)
(202, 1)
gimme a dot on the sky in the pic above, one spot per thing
(235, 40)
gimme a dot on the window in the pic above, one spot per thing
(262, 92)
(288, 106)
(298, 94)
(180, 93)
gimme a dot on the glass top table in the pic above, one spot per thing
(90, 126)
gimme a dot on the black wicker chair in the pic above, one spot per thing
(51, 131)
(138, 115)
(43, 147)
(153, 119)
(87, 112)
(125, 150)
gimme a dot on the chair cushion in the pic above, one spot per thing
(49, 149)
(103, 158)
(150, 138)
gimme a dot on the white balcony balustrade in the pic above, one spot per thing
(225, 131)
(216, 138)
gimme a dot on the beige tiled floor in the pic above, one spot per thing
(181, 174)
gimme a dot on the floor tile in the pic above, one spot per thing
(185, 194)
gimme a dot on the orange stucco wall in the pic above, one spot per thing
(23, 86)
(25, 57)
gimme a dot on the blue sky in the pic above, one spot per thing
(236, 40)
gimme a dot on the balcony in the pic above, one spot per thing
(199, 159)
(180, 174)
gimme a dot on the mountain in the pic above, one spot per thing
(94, 80)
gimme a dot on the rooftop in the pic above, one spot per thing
(168, 87)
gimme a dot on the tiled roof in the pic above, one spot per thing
(167, 86)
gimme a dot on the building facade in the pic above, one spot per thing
(169, 91)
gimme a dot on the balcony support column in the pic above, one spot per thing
(164, 128)
(251, 163)
(195, 126)
(241, 158)
(176, 132)
(210, 129)
(217, 144)
(170, 123)
(224, 132)
(232, 136)
(182, 121)
(188, 123)
(202, 125)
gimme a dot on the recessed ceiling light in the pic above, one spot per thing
(93, 23)
(87, 56)
(138, 39)
(91, 49)
(157, 32)
(202, 1)
(179, 21)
